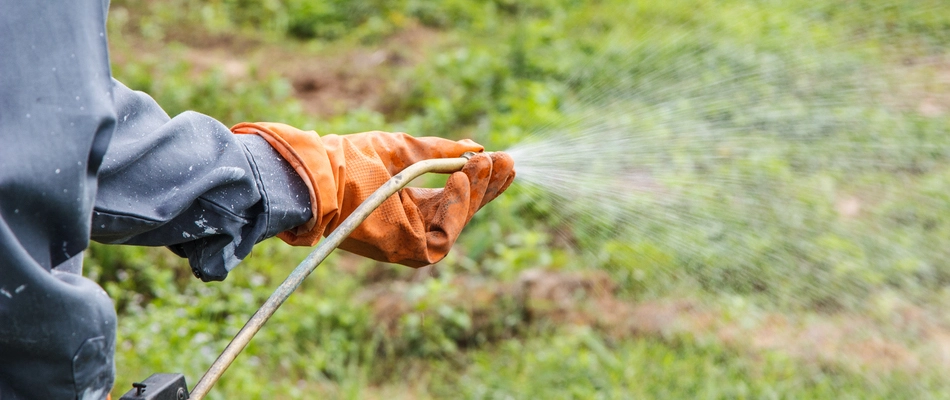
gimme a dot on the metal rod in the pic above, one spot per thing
(309, 264)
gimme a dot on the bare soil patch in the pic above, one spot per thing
(326, 84)
(330, 81)
(359, 78)
(921, 85)
(589, 298)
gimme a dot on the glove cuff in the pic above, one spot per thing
(304, 151)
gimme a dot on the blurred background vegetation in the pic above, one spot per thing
(535, 303)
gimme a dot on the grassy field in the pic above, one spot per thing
(831, 281)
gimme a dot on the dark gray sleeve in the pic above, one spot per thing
(190, 184)
(75, 141)
(57, 330)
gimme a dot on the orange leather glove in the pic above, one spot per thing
(415, 227)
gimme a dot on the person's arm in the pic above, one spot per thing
(190, 184)
(210, 194)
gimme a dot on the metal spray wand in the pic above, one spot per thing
(172, 386)
(309, 264)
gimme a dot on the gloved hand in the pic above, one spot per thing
(415, 227)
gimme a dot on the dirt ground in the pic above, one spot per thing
(326, 85)
(589, 298)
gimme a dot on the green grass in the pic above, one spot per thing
(580, 365)
(496, 71)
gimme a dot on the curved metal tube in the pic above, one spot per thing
(309, 264)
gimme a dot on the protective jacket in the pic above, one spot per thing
(83, 157)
